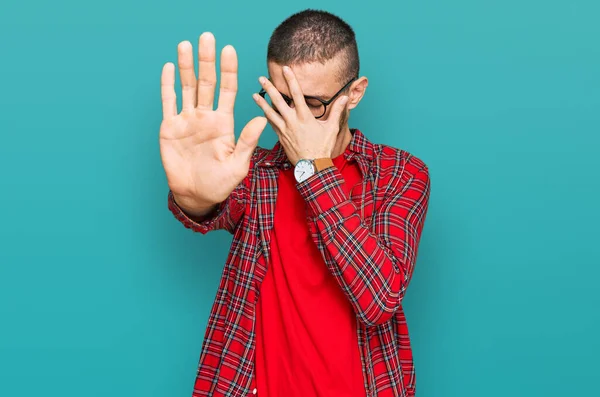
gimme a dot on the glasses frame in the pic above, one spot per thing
(289, 100)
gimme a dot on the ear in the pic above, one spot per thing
(357, 91)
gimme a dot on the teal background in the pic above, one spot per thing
(104, 293)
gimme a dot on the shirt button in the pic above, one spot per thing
(254, 391)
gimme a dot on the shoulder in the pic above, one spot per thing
(260, 153)
(398, 165)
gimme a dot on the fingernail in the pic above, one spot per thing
(344, 100)
(286, 69)
(262, 80)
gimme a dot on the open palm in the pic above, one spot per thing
(202, 161)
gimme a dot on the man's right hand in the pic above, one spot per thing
(201, 159)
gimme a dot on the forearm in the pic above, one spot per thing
(366, 268)
(373, 267)
(225, 215)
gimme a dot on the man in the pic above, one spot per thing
(326, 224)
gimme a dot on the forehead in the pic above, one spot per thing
(315, 79)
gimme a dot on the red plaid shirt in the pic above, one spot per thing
(369, 241)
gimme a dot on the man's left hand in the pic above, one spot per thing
(300, 133)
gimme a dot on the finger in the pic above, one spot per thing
(187, 75)
(229, 83)
(276, 97)
(167, 91)
(270, 113)
(248, 139)
(337, 110)
(207, 73)
(296, 91)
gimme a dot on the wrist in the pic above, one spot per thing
(312, 155)
(321, 163)
(306, 168)
(194, 208)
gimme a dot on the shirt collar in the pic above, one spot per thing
(359, 146)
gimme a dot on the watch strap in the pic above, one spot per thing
(322, 163)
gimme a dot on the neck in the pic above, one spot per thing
(343, 140)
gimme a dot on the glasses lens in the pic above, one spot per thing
(316, 107)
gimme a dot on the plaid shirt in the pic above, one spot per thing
(369, 242)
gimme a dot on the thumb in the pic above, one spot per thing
(338, 109)
(249, 138)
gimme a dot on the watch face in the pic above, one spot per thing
(304, 169)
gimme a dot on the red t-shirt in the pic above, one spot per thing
(306, 338)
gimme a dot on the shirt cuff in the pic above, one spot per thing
(206, 224)
(323, 191)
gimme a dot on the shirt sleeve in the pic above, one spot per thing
(226, 216)
(373, 267)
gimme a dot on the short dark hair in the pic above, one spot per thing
(315, 36)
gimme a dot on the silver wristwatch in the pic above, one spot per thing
(305, 168)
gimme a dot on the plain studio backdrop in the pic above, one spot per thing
(104, 293)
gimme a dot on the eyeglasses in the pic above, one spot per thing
(317, 106)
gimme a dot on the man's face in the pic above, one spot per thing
(315, 80)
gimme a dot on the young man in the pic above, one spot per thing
(326, 224)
